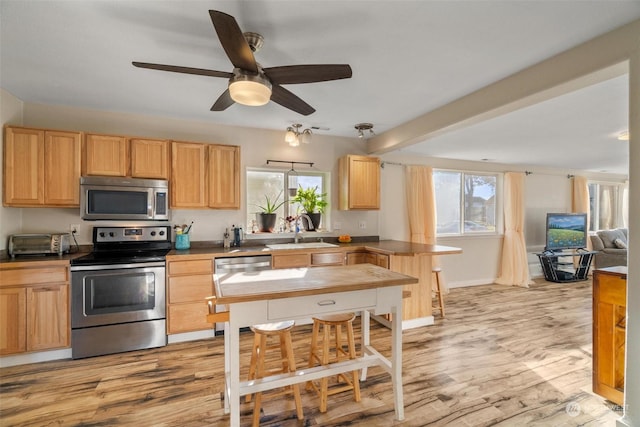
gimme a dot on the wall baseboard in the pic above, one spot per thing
(467, 283)
(41, 356)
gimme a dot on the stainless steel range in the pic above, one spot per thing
(118, 291)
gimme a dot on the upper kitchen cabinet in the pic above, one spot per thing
(188, 175)
(41, 168)
(105, 155)
(205, 176)
(359, 183)
(111, 155)
(149, 158)
(224, 177)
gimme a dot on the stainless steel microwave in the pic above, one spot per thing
(107, 198)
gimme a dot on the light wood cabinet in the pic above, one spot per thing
(205, 176)
(609, 325)
(291, 260)
(41, 168)
(105, 155)
(374, 258)
(34, 309)
(224, 176)
(188, 175)
(150, 158)
(359, 183)
(189, 283)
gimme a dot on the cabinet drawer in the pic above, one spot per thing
(330, 258)
(191, 267)
(188, 317)
(190, 288)
(319, 304)
(291, 260)
(31, 276)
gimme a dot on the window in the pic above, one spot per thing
(279, 186)
(466, 202)
(605, 206)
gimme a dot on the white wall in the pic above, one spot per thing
(10, 113)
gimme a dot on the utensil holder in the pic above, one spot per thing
(182, 241)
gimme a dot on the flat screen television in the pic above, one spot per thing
(566, 231)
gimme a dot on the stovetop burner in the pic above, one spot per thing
(127, 245)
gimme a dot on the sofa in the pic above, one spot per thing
(610, 247)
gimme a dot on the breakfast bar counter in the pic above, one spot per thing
(300, 293)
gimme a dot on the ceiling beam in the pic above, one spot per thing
(599, 59)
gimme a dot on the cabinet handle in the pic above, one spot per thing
(41, 289)
(327, 302)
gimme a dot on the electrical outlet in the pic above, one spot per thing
(74, 228)
(337, 225)
(362, 225)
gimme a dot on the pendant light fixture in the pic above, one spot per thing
(294, 136)
(361, 127)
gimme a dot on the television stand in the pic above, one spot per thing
(562, 271)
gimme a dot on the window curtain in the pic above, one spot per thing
(515, 265)
(421, 208)
(580, 200)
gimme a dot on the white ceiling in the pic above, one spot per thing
(408, 57)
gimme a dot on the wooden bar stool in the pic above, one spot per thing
(322, 357)
(438, 289)
(281, 330)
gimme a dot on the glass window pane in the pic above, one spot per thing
(448, 191)
(262, 184)
(479, 203)
(307, 181)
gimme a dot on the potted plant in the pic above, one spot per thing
(313, 204)
(267, 218)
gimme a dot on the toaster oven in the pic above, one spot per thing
(39, 244)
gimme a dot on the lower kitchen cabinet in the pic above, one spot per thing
(609, 330)
(189, 283)
(34, 309)
(307, 259)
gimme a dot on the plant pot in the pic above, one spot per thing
(315, 219)
(266, 221)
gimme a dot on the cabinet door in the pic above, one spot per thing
(62, 168)
(356, 258)
(224, 177)
(47, 317)
(23, 167)
(13, 320)
(188, 175)
(105, 155)
(359, 182)
(295, 260)
(149, 158)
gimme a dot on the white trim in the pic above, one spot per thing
(190, 336)
(41, 356)
(416, 323)
(475, 282)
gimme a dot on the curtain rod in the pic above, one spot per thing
(310, 164)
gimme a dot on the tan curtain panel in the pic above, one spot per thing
(580, 200)
(515, 265)
(421, 208)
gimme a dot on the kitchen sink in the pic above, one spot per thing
(310, 245)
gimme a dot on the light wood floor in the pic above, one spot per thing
(503, 356)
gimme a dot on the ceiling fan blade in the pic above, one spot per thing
(233, 41)
(288, 100)
(292, 74)
(184, 70)
(223, 102)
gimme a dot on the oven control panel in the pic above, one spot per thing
(132, 234)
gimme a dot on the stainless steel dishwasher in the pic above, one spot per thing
(239, 264)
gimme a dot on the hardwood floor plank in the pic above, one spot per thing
(503, 356)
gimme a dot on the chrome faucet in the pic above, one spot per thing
(296, 238)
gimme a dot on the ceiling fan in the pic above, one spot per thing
(249, 83)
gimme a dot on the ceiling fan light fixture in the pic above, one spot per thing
(247, 89)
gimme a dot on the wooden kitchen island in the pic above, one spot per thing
(300, 293)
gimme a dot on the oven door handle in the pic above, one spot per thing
(95, 267)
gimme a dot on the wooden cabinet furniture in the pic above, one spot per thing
(205, 176)
(609, 323)
(359, 182)
(299, 259)
(34, 308)
(111, 155)
(149, 158)
(41, 168)
(105, 155)
(365, 257)
(190, 282)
